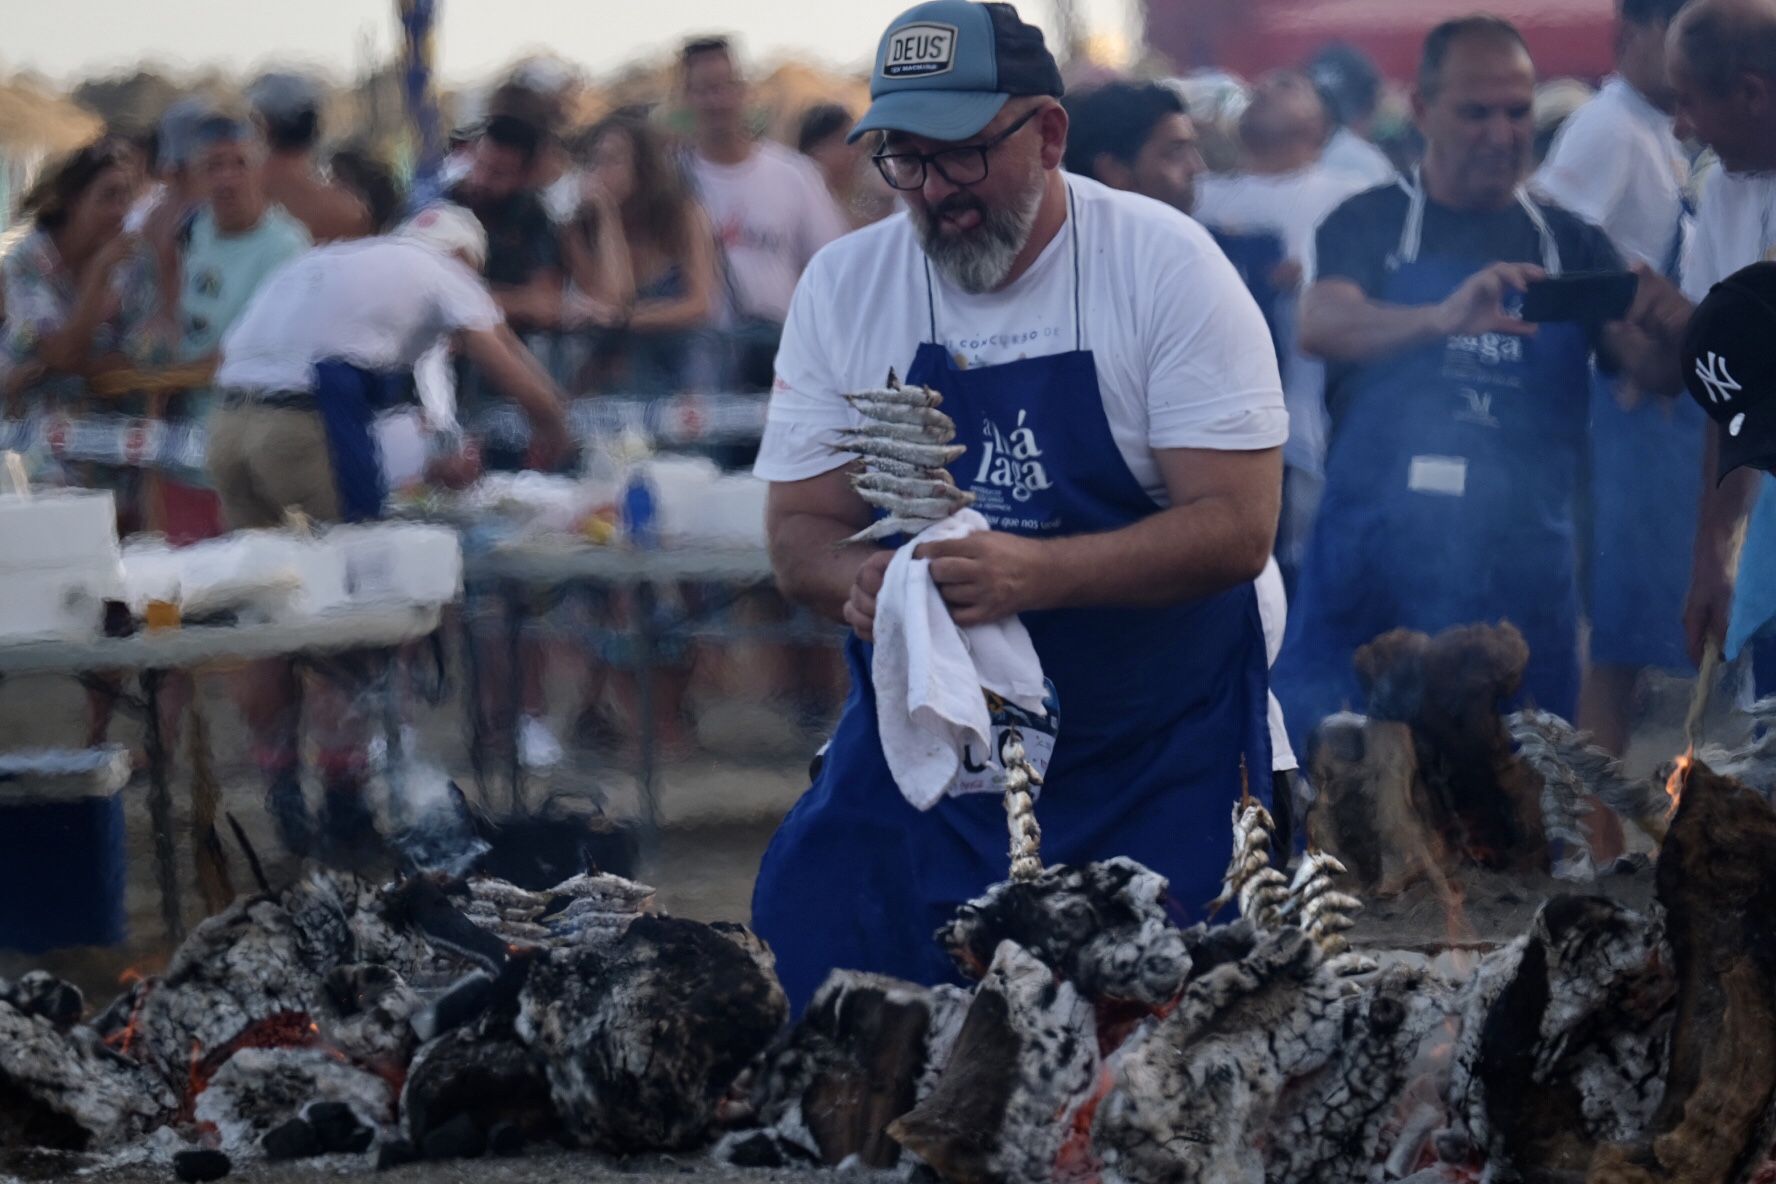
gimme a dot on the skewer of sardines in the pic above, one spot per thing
(905, 443)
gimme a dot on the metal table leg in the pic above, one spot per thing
(515, 613)
(160, 809)
(472, 693)
(647, 647)
(394, 769)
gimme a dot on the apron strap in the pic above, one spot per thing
(1412, 231)
(930, 297)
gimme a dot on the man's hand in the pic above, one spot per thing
(550, 443)
(860, 609)
(1478, 306)
(987, 576)
(1287, 275)
(1660, 309)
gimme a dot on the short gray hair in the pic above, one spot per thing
(1720, 43)
(1443, 38)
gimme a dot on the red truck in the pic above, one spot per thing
(1567, 37)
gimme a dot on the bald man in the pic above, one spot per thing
(1285, 190)
(1721, 57)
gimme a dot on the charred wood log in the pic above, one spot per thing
(484, 1072)
(642, 1038)
(1450, 690)
(827, 1090)
(1717, 883)
(1370, 811)
(62, 1088)
(1023, 1068)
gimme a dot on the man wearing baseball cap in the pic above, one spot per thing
(1117, 394)
(1730, 368)
(329, 341)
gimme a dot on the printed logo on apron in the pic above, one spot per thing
(985, 772)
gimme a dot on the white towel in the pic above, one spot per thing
(929, 672)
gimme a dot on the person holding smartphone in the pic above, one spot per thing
(1458, 428)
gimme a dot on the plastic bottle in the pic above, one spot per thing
(637, 509)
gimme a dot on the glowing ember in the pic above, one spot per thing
(1674, 784)
(124, 1039)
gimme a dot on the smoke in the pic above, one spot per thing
(440, 833)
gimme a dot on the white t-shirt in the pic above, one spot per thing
(1617, 163)
(1290, 206)
(1735, 227)
(1183, 356)
(1347, 152)
(378, 303)
(771, 213)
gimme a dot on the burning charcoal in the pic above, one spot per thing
(1716, 879)
(338, 1128)
(459, 1138)
(851, 1065)
(1102, 926)
(760, 1149)
(1189, 1099)
(481, 1071)
(505, 1139)
(200, 1165)
(295, 1139)
(64, 1089)
(43, 994)
(394, 1154)
(642, 1038)
(1023, 1066)
(466, 1000)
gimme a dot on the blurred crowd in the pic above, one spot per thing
(641, 255)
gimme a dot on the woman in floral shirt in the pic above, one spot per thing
(80, 295)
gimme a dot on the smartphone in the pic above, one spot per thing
(1588, 297)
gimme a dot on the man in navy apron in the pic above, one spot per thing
(1458, 431)
(1118, 396)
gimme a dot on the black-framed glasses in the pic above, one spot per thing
(966, 165)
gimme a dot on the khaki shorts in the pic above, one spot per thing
(266, 460)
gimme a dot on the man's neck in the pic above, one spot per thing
(1051, 215)
(1281, 162)
(726, 146)
(1439, 189)
(289, 163)
(245, 224)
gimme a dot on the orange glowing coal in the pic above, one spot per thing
(1680, 775)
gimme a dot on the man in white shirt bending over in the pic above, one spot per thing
(1617, 163)
(769, 206)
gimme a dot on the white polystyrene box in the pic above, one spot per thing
(64, 603)
(400, 561)
(274, 571)
(57, 528)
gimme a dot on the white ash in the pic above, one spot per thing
(262, 1088)
(1192, 1101)
(1754, 763)
(949, 1008)
(368, 1015)
(1102, 926)
(91, 1097)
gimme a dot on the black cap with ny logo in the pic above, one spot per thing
(1729, 364)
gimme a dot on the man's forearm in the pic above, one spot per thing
(1179, 554)
(1345, 329)
(811, 567)
(1723, 507)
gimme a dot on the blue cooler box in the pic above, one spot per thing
(61, 849)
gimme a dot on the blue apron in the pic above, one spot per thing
(348, 398)
(1157, 707)
(1646, 482)
(1450, 485)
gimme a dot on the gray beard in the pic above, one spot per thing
(980, 260)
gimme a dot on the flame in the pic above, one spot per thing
(1680, 776)
(124, 1039)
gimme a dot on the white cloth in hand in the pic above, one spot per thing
(929, 672)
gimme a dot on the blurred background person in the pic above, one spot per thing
(234, 241)
(655, 341)
(853, 183)
(1351, 87)
(1617, 162)
(770, 208)
(1285, 190)
(1135, 136)
(287, 108)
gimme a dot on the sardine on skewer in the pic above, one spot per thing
(931, 509)
(867, 444)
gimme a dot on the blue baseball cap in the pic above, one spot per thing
(946, 68)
